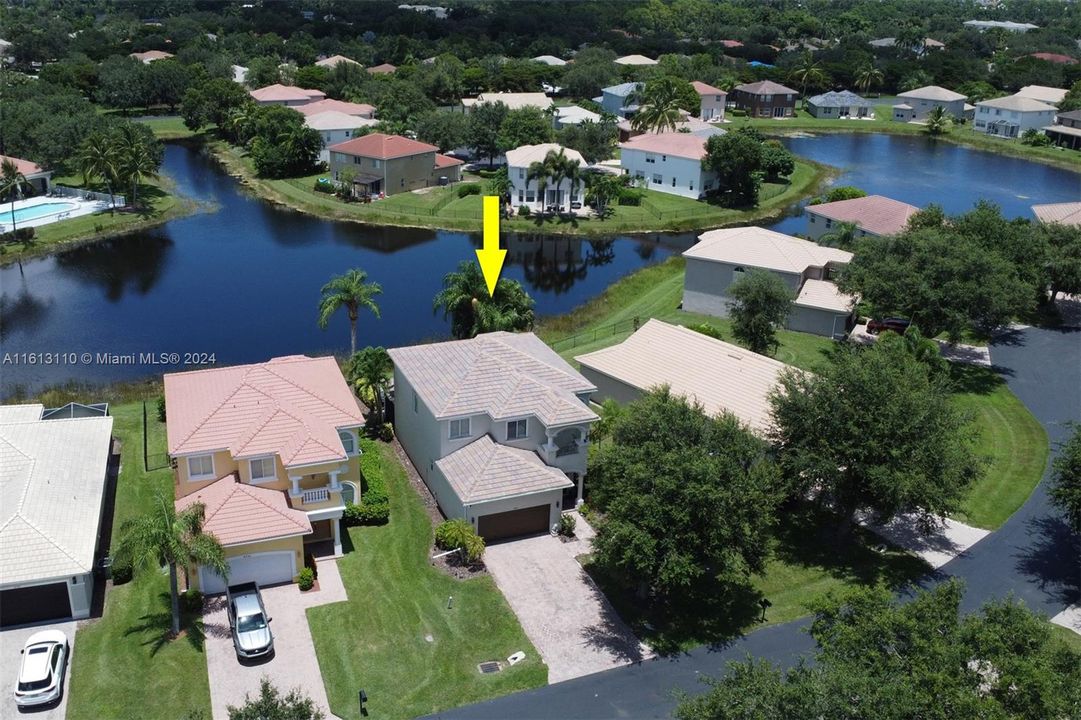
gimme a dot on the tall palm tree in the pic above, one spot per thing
(808, 73)
(12, 182)
(661, 103)
(135, 160)
(938, 121)
(540, 171)
(353, 292)
(603, 187)
(867, 76)
(174, 538)
(97, 158)
(369, 373)
(843, 236)
(465, 300)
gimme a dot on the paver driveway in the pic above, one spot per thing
(293, 664)
(11, 642)
(567, 618)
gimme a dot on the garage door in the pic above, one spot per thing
(34, 604)
(515, 522)
(269, 568)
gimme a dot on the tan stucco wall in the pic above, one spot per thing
(296, 544)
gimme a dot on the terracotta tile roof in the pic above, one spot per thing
(334, 60)
(761, 248)
(766, 87)
(384, 69)
(503, 375)
(383, 146)
(703, 89)
(933, 92)
(26, 167)
(875, 214)
(286, 93)
(685, 145)
(720, 376)
(238, 513)
(824, 295)
(1065, 213)
(291, 407)
(52, 483)
(731, 43)
(349, 108)
(442, 161)
(1057, 58)
(484, 470)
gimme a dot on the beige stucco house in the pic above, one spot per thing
(497, 427)
(917, 104)
(390, 164)
(272, 451)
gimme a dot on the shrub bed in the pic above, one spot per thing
(468, 189)
(374, 505)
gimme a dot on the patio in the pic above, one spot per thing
(48, 209)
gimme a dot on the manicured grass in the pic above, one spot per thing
(376, 640)
(122, 660)
(809, 559)
(169, 128)
(1014, 443)
(441, 208)
(1068, 636)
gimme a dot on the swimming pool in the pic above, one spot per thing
(35, 211)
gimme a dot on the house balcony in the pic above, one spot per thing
(312, 493)
(566, 449)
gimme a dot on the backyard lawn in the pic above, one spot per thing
(377, 639)
(169, 127)
(121, 661)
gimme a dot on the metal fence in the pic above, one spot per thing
(152, 460)
(588, 337)
(65, 191)
(678, 214)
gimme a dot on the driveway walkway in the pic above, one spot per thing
(960, 353)
(946, 541)
(11, 642)
(563, 613)
(293, 664)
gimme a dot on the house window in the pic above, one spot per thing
(651, 159)
(657, 179)
(829, 223)
(402, 183)
(521, 196)
(517, 429)
(673, 181)
(812, 219)
(262, 469)
(690, 185)
(200, 466)
(664, 158)
(348, 441)
(459, 429)
(377, 163)
(356, 160)
(521, 173)
(349, 493)
(737, 273)
(530, 196)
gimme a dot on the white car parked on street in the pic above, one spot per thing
(41, 676)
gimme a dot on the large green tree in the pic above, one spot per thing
(736, 157)
(464, 299)
(875, 429)
(485, 121)
(664, 100)
(687, 499)
(446, 130)
(369, 373)
(353, 292)
(1066, 481)
(595, 140)
(760, 301)
(887, 660)
(525, 126)
(270, 704)
(211, 102)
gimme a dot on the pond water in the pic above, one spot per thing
(243, 282)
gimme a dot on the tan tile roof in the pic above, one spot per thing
(334, 60)
(1044, 93)
(503, 375)
(384, 69)
(824, 295)
(721, 376)
(484, 470)
(766, 87)
(334, 120)
(685, 145)
(349, 108)
(525, 155)
(26, 167)
(286, 93)
(151, 55)
(703, 89)
(635, 60)
(513, 101)
(875, 213)
(1020, 103)
(933, 92)
(383, 146)
(52, 482)
(762, 248)
(238, 513)
(1063, 213)
(291, 407)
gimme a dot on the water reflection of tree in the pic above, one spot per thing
(21, 312)
(557, 263)
(645, 250)
(601, 252)
(132, 262)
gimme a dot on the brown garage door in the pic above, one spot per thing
(515, 522)
(33, 604)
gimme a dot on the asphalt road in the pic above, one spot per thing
(1033, 556)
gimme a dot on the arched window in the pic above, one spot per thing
(349, 493)
(349, 441)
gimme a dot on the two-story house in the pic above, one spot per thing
(917, 104)
(711, 102)
(498, 428)
(669, 162)
(336, 127)
(620, 100)
(765, 99)
(384, 164)
(272, 452)
(558, 192)
(1066, 132)
(1012, 115)
(287, 95)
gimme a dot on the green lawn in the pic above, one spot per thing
(376, 640)
(1068, 636)
(1014, 443)
(442, 208)
(122, 661)
(169, 128)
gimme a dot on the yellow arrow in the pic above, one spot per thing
(491, 255)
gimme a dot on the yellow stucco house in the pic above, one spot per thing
(272, 451)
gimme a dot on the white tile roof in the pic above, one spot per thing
(572, 115)
(52, 481)
(1043, 93)
(513, 101)
(635, 60)
(334, 120)
(1068, 213)
(721, 376)
(526, 155)
(762, 248)
(504, 375)
(484, 470)
(1020, 103)
(824, 295)
(933, 92)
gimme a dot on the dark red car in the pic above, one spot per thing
(896, 324)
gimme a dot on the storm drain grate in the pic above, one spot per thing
(487, 668)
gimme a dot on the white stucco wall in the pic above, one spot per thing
(521, 189)
(690, 181)
(1024, 120)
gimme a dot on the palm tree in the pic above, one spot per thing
(165, 536)
(353, 292)
(12, 182)
(842, 236)
(603, 187)
(867, 76)
(539, 170)
(808, 72)
(661, 105)
(97, 158)
(369, 373)
(938, 121)
(465, 300)
(135, 160)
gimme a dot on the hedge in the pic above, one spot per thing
(374, 505)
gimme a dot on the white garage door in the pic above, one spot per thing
(266, 568)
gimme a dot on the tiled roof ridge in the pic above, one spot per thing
(493, 451)
(30, 471)
(213, 409)
(256, 425)
(250, 491)
(530, 359)
(474, 361)
(52, 541)
(270, 368)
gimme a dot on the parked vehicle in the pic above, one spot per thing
(41, 676)
(897, 324)
(248, 621)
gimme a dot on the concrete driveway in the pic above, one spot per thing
(11, 642)
(567, 618)
(293, 664)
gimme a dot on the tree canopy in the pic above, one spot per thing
(760, 301)
(464, 299)
(1066, 481)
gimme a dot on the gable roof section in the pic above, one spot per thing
(286, 93)
(766, 87)
(842, 98)
(1065, 213)
(326, 105)
(485, 470)
(824, 295)
(383, 69)
(503, 375)
(678, 144)
(383, 146)
(334, 120)
(703, 89)
(875, 213)
(761, 248)
(721, 376)
(623, 89)
(290, 406)
(933, 92)
(238, 513)
(52, 482)
(1019, 103)
(334, 60)
(635, 60)
(26, 167)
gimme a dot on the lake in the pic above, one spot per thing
(242, 282)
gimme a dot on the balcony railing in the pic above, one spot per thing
(571, 449)
(315, 495)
